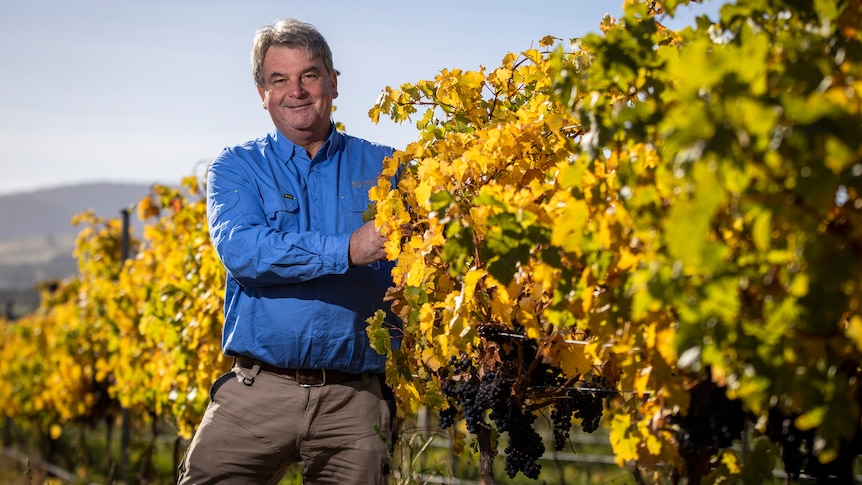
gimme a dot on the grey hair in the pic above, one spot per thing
(288, 33)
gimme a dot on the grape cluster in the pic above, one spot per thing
(500, 384)
(468, 393)
(586, 405)
(474, 395)
(712, 423)
(561, 419)
(493, 388)
(797, 451)
(589, 409)
(525, 444)
(446, 417)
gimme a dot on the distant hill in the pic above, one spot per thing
(37, 236)
(50, 211)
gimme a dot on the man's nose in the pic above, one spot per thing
(294, 87)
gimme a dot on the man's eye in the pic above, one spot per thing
(308, 78)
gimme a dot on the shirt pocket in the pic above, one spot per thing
(282, 213)
(355, 201)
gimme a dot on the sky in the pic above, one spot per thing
(151, 91)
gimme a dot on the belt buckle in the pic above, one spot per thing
(305, 384)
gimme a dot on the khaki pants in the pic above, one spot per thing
(251, 434)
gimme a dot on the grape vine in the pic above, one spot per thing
(671, 218)
(141, 334)
(668, 210)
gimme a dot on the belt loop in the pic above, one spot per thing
(249, 380)
(365, 379)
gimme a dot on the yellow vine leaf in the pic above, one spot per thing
(731, 461)
(571, 358)
(854, 331)
(622, 440)
(472, 278)
(427, 321)
(570, 227)
(547, 40)
(641, 379)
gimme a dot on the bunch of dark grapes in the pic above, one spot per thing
(712, 423)
(586, 405)
(474, 395)
(797, 451)
(590, 409)
(563, 409)
(525, 444)
(561, 418)
(474, 415)
(447, 417)
(462, 365)
(519, 374)
(493, 388)
(462, 393)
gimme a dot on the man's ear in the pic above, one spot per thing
(262, 94)
(333, 79)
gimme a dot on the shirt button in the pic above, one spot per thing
(318, 334)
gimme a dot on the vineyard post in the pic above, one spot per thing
(7, 420)
(125, 429)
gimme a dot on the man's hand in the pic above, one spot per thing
(366, 245)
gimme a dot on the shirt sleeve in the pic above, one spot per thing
(254, 253)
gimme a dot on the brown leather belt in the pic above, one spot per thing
(303, 377)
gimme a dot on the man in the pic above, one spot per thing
(303, 275)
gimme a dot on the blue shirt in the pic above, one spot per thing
(281, 224)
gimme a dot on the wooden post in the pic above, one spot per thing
(125, 416)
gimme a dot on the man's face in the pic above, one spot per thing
(298, 92)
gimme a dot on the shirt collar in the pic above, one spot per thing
(286, 149)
